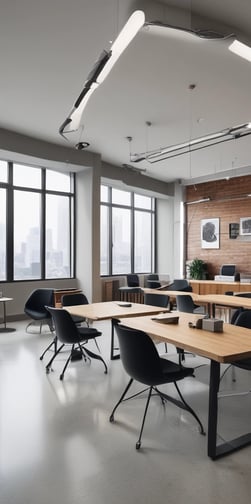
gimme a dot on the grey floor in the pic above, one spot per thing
(58, 446)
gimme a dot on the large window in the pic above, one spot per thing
(127, 232)
(36, 223)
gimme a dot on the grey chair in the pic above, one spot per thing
(68, 333)
(35, 308)
(185, 304)
(151, 370)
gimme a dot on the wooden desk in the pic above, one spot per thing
(112, 310)
(231, 345)
(213, 300)
(216, 287)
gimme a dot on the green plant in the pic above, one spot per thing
(196, 269)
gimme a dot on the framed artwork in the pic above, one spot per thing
(245, 226)
(210, 232)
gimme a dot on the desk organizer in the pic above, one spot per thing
(213, 325)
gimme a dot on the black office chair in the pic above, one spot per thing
(180, 284)
(68, 333)
(72, 300)
(132, 280)
(185, 304)
(240, 318)
(161, 300)
(143, 363)
(35, 308)
(153, 281)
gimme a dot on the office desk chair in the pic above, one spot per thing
(142, 362)
(161, 300)
(68, 333)
(35, 308)
(242, 318)
(185, 304)
(72, 300)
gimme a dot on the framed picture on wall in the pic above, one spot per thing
(210, 232)
(245, 226)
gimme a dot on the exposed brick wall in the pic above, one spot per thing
(229, 205)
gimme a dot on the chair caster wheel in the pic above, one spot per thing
(61, 377)
(41, 358)
(111, 418)
(138, 445)
(47, 370)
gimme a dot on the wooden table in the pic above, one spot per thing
(4, 300)
(231, 345)
(113, 310)
(213, 300)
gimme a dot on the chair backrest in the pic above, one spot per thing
(180, 284)
(185, 303)
(74, 299)
(132, 280)
(244, 319)
(65, 327)
(153, 281)
(38, 300)
(161, 300)
(153, 276)
(139, 355)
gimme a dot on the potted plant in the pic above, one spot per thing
(196, 269)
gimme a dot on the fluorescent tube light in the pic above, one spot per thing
(161, 154)
(240, 49)
(101, 69)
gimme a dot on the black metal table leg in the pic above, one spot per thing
(113, 356)
(216, 451)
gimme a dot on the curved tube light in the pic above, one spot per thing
(101, 69)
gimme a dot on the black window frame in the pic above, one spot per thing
(10, 188)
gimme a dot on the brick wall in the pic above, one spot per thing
(229, 203)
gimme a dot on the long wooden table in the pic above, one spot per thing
(231, 345)
(113, 310)
(213, 300)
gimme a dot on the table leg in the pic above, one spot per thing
(215, 451)
(5, 328)
(113, 356)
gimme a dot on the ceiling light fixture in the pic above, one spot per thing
(192, 145)
(242, 50)
(101, 69)
(202, 200)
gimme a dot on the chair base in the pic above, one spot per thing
(164, 398)
(40, 323)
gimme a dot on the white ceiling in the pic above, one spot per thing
(48, 48)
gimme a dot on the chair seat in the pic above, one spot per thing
(174, 372)
(88, 333)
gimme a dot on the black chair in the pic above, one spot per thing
(161, 300)
(142, 362)
(68, 333)
(35, 308)
(240, 318)
(153, 281)
(180, 284)
(72, 300)
(132, 280)
(185, 304)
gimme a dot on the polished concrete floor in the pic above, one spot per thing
(58, 446)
